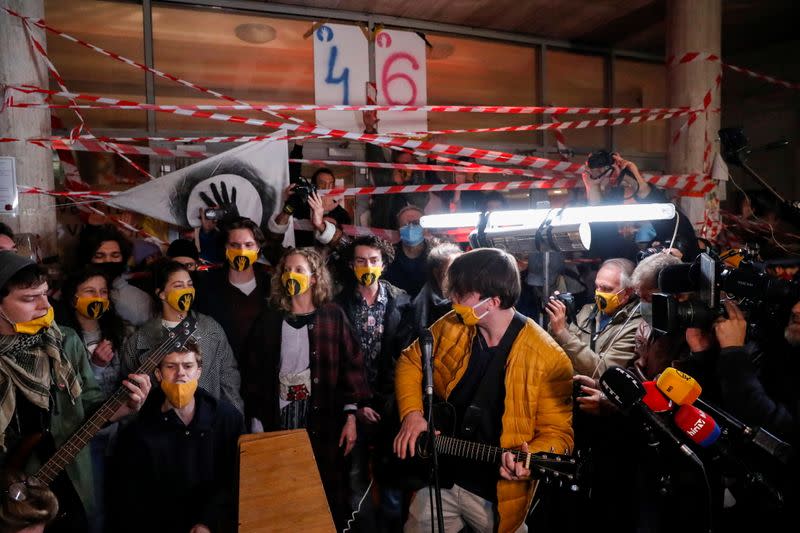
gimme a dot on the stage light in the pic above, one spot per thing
(450, 220)
(531, 230)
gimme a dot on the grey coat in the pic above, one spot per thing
(220, 374)
(615, 345)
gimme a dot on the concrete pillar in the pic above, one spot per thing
(20, 65)
(693, 26)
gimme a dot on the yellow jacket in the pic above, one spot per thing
(538, 402)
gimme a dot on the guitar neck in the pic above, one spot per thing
(72, 447)
(477, 451)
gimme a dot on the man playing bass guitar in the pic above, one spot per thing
(510, 385)
(46, 386)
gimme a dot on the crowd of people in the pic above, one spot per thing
(323, 337)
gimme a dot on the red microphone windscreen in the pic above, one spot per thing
(657, 402)
(697, 425)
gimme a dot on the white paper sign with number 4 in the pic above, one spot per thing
(341, 70)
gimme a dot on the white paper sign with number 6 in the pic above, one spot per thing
(401, 74)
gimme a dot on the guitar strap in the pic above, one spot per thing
(486, 396)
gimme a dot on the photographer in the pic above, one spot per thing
(603, 333)
(609, 180)
(321, 180)
(760, 387)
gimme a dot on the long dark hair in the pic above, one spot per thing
(111, 325)
(162, 270)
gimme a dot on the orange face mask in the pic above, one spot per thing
(179, 394)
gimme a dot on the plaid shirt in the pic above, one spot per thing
(370, 329)
(337, 370)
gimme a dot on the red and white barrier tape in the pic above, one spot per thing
(669, 181)
(392, 236)
(688, 183)
(41, 24)
(691, 57)
(707, 99)
(42, 53)
(382, 140)
(577, 124)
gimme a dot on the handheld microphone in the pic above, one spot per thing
(704, 431)
(698, 426)
(426, 347)
(683, 389)
(623, 388)
(654, 399)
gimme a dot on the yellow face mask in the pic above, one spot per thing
(32, 327)
(467, 313)
(241, 259)
(179, 394)
(181, 299)
(608, 302)
(367, 275)
(92, 307)
(295, 283)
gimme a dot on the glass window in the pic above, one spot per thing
(638, 84)
(473, 72)
(255, 59)
(575, 80)
(113, 26)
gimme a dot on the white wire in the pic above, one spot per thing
(358, 509)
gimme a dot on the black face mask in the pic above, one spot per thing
(112, 270)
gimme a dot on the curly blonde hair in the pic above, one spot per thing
(321, 291)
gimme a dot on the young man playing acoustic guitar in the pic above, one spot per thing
(509, 384)
(47, 386)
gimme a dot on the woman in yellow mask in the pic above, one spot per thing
(174, 296)
(303, 369)
(86, 308)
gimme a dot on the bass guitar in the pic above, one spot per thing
(52, 472)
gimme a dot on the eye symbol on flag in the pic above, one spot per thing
(292, 286)
(185, 302)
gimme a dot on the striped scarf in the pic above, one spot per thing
(29, 364)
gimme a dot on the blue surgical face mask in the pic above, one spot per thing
(412, 234)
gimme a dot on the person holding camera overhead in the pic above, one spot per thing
(322, 179)
(611, 179)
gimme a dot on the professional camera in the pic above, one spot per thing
(600, 163)
(614, 188)
(761, 296)
(297, 204)
(569, 302)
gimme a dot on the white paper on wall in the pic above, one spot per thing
(401, 76)
(341, 71)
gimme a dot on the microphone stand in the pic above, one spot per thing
(434, 474)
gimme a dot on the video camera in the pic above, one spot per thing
(761, 296)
